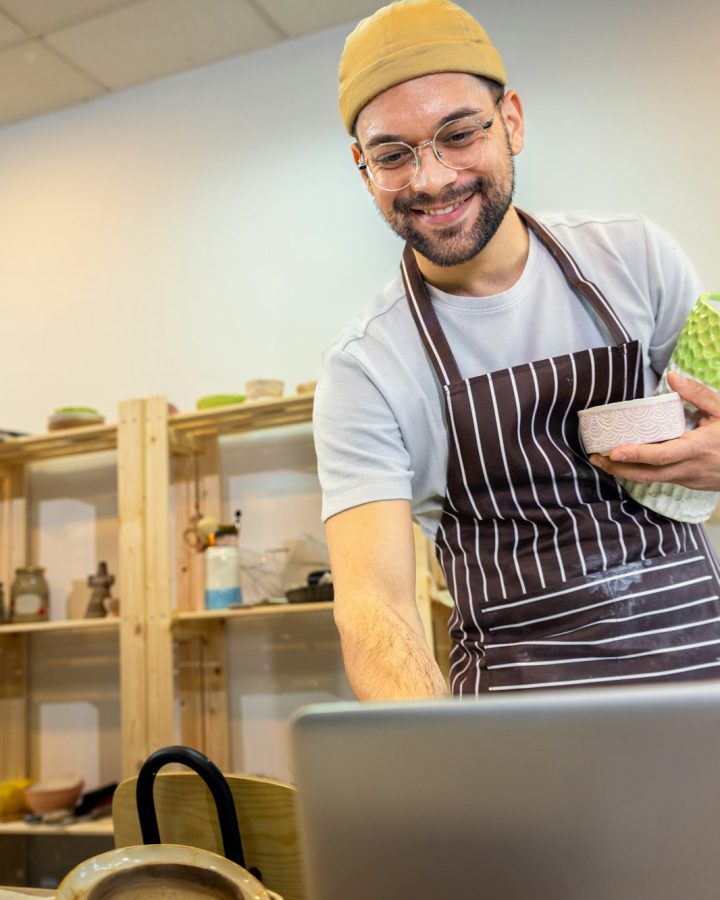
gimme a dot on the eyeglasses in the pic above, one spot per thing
(459, 144)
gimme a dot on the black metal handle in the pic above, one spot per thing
(213, 778)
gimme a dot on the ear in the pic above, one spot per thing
(356, 151)
(512, 112)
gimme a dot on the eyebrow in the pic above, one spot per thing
(392, 138)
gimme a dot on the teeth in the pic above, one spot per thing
(443, 212)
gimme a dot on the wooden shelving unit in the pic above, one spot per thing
(155, 455)
(172, 651)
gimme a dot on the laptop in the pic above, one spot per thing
(600, 794)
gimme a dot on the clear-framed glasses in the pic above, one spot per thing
(459, 144)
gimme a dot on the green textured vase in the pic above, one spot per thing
(696, 354)
(697, 351)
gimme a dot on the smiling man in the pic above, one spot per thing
(454, 401)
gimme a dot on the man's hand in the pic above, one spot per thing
(692, 460)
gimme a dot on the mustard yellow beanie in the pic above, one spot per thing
(408, 39)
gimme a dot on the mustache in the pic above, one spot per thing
(422, 200)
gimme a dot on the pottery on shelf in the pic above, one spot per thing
(50, 796)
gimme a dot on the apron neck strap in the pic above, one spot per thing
(433, 338)
(575, 277)
(431, 333)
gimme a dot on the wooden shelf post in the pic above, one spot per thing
(14, 745)
(159, 661)
(132, 571)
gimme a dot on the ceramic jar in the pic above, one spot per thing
(29, 595)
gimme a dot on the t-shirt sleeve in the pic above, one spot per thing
(674, 287)
(360, 451)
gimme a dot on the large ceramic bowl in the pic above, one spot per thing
(642, 421)
(160, 872)
(264, 389)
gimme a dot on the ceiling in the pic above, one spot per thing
(55, 53)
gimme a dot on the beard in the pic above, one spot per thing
(457, 243)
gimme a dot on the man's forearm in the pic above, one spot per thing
(386, 658)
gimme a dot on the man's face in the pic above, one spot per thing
(446, 215)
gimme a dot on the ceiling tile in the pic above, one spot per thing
(9, 31)
(40, 15)
(34, 81)
(159, 37)
(296, 18)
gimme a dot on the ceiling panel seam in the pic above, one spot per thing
(71, 21)
(260, 10)
(68, 61)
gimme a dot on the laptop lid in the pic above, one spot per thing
(566, 795)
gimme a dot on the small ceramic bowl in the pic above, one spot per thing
(264, 388)
(642, 421)
(50, 796)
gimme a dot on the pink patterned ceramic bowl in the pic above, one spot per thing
(642, 421)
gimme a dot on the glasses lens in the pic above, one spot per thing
(392, 166)
(460, 144)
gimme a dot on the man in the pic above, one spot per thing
(454, 400)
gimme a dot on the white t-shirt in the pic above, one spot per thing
(379, 420)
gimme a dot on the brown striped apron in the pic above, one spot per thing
(559, 577)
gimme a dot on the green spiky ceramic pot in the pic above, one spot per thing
(697, 352)
(697, 356)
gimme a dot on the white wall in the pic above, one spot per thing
(186, 235)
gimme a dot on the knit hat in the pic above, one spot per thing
(405, 40)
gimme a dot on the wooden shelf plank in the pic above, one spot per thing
(60, 625)
(248, 416)
(67, 442)
(100, 827)
(188, 616)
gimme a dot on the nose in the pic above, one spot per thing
(432, 175)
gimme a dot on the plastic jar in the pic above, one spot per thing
(222, 577)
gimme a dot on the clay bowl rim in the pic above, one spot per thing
(637, 403)
(82, 880)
